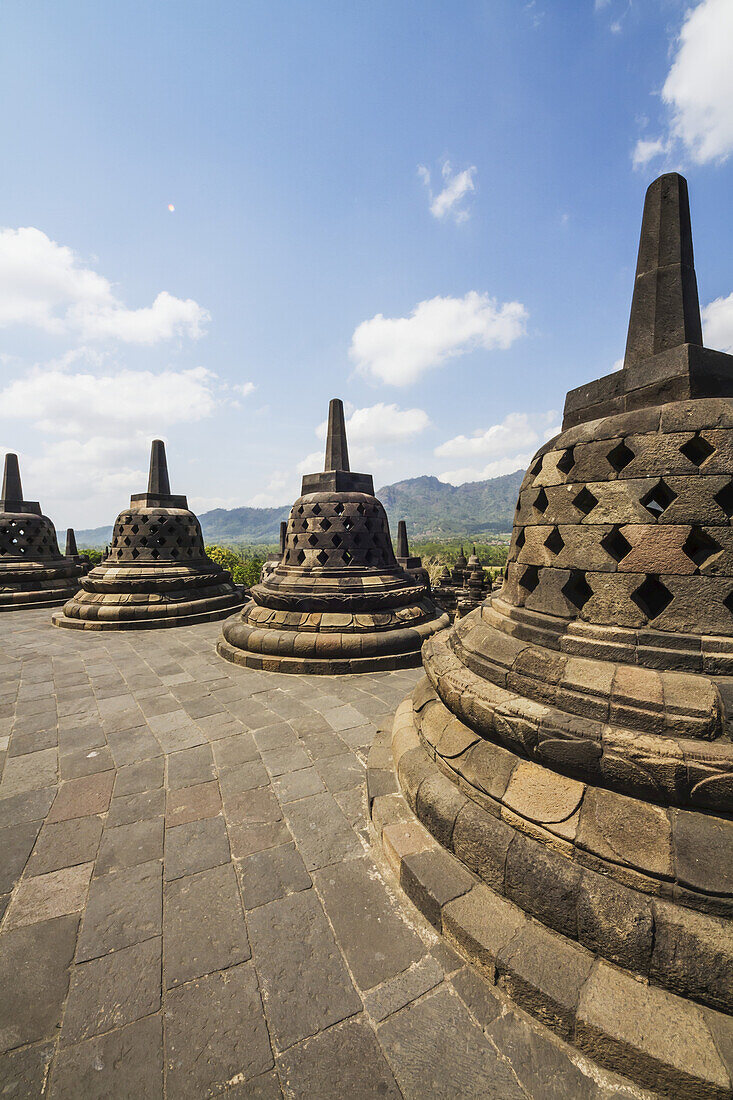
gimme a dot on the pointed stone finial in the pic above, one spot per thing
(12, 488)
(665, 309)
(403, 550)
(283, 535)
(158, 483)
(337, 452)
(71, 550)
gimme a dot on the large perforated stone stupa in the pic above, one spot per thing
(33, 571)
(338, 601)
(571, 743)
(156, 573)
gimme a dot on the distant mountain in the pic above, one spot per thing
(432, 510)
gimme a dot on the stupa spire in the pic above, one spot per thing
(283, 535)
(337, 451)
(158, 483)
(403, 550)
(665, 309)
(71, 550)
(12, 488)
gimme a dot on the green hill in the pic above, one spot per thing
(432, 509)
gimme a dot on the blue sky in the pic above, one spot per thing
(428, 209)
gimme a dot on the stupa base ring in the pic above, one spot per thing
(147, 616)
(36, 600)
(618, 1016)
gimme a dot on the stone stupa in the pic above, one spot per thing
(72, 551)
(571, 745)
(33, 571)
(411, 563)
(338, 601)
(155, 572)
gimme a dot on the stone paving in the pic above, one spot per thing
(190, 902)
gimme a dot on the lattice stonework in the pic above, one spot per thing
(29, 537)
(336, 534)
(156, 535)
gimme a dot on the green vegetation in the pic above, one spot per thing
(244, 562)
(95, 556)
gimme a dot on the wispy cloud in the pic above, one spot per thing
(499, 449)
(398, 350)
(717, 320)
(451, 199)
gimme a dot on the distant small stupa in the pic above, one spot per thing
(33, 571)
(156, 572)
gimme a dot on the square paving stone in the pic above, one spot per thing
(190, 766)
(28, 806)
(23, 1073)
(123, 908)
(83, 797)
(145, 776)
(306, 985)
(377, 942)
(250, 807)
(406, 987)
(113, 990)
(51, 895)
(244, 777)
(203, 927)
(289, 759)
(344, 1061)
(343, 718)
(124, 1063)
(215, 1034)
(185, 736)
(132, 746)
(65, 844)
(339, 773)
(136, 807)
(85, 762)
(22, 743)
(192, 804)
(294, 785)
(272, 874)
(34, 978)
(231, 751)
(130, 845)
(421, 1044)
(195, 846)
(16, 843)
(257, 836)
(321, 831)
(323, 743)
(29, 772)
(280, 735)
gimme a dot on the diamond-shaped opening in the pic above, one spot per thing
(728, 601)
(348, 558)
(300, 510)
(725, 499)
(530, 578)
(577, 590)
(521, 539)
(316, 509)
(566, 461)
(658, 499)
(651, 597)
(348, 523)
(135, 553)
(155, 554)
(620, 456)
(126, 541)
(153, 528)
(174, 553)
(339, 509)
(300, 557)
(355, 540)
(697, 449)
(537, 466)
(616, 545)
(325, 524)
(360, 509)
(336, 540)
(368, 557)
(700, 547)
(554, 541)
(134, 528)
(541, 502)
(322, 557)
(312, 540)
(585, 502)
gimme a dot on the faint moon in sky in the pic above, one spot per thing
(171, 207)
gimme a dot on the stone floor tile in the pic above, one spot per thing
(360, 737)
(345, 1060)
(16, 844)
(216, 1035)
(126, 808)
(305, 983)
(28, 806)
(287, 759)
(65, 844)
(23, 1073)
(144, 776)
(195, 846)
(250, 807)
(540, 1062)
(342, 772)
(123, 1063)
(375, 938)
(34, 978)
(257, 836)
(343, 717)
(321, 831)
(280, 735)
(203, 925)
(353, 806)
(243, 777)
(132, 746)
(192, 804)
(272, 874)
(23, 743)
(231, 751)
(86, 736)
(291, 786)
(29, 772)
(85, 762)
(482, 1000)
(323, 742)
(113, 990)
(130, 845)
(421, 1044)
(82, 797)
(406, 987)
(190, 766)
(265, 1087)
(123, 908)
(46, 896)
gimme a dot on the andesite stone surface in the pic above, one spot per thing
(571, 742)
(33, 571)
(156, 572)
(338, 600)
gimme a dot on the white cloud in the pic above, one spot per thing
(717, 319)
(698, 90)
(380, 423)
(450, 199)
(45, 285)
(397, 350)
(508, 446)
(244, 389)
